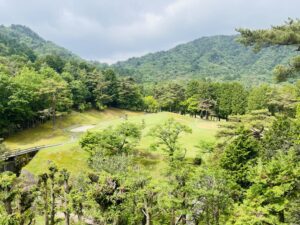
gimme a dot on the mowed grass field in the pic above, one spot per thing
(70, 156)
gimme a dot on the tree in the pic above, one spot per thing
(44, 193)
(6, 88)
(56, 93)
(110, 148)
(8, 192)
(179, 174)
(129, 95)
(239, 156)
(192, 88)
(231, 99)
(283, 100)
(109, 194)
(55, 62)
(16, 199)
(211, 196)
(258, 98)
(78, 198)
(142, 202)
(281, 136)
(112, 86)
(79, 94)
(170, 96)
(192, 105)
(275, 188)
(64, 179)
(286, 34)
(150, 104)
(3, 151)
(167, 135)
(106, 89)
(25, 101)
(49, 190)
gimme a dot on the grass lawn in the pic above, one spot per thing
(71, 157)
(46, 135)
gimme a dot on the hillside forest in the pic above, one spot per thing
(249, 174)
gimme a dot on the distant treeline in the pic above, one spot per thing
(41, 81)
(35, 91)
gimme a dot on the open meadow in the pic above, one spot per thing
(69, 155)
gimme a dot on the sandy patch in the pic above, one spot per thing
(82, 128)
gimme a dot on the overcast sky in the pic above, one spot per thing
(112, 30)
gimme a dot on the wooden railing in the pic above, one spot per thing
(18, 152)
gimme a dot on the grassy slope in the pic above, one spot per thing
(45, 135)
(71, 157)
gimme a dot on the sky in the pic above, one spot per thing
(113, 30)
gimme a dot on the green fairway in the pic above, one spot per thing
(70, 156)
(46, 135)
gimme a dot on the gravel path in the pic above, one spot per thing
(82, 128)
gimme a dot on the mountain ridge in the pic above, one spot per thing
(25, 36)
(217, 57)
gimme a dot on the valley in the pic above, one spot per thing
(71, 157)
(206, 133)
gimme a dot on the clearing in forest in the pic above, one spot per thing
(70, 128)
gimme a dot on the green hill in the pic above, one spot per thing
(21, 40)
(216, 57)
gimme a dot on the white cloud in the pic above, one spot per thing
(113, 30)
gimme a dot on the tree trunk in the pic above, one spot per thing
(8, 207)
(281, 216)
(53, 110)
(67, 218)
(46, 216)
(206, 115)
(173, 219)
(67, 213)
(147, 215)
(52, 213)
(183, 219)
(80, 213)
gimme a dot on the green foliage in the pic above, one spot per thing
(286, 34)
(239, 156)
(212, 196)
(21, 40)
(283, 135)
(231, 99)
(49, 85)
(219, 58)
(17, 200)
(252, 177)
(109, 194)
(109, 148)
(275, 187)
(150, 104)
(129, 95)
(167, 135)
(258, 98)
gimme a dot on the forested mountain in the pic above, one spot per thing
(21, 40)
(216, 57)
(40, 81)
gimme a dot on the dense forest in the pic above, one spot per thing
(249, 176)
(218, 58)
